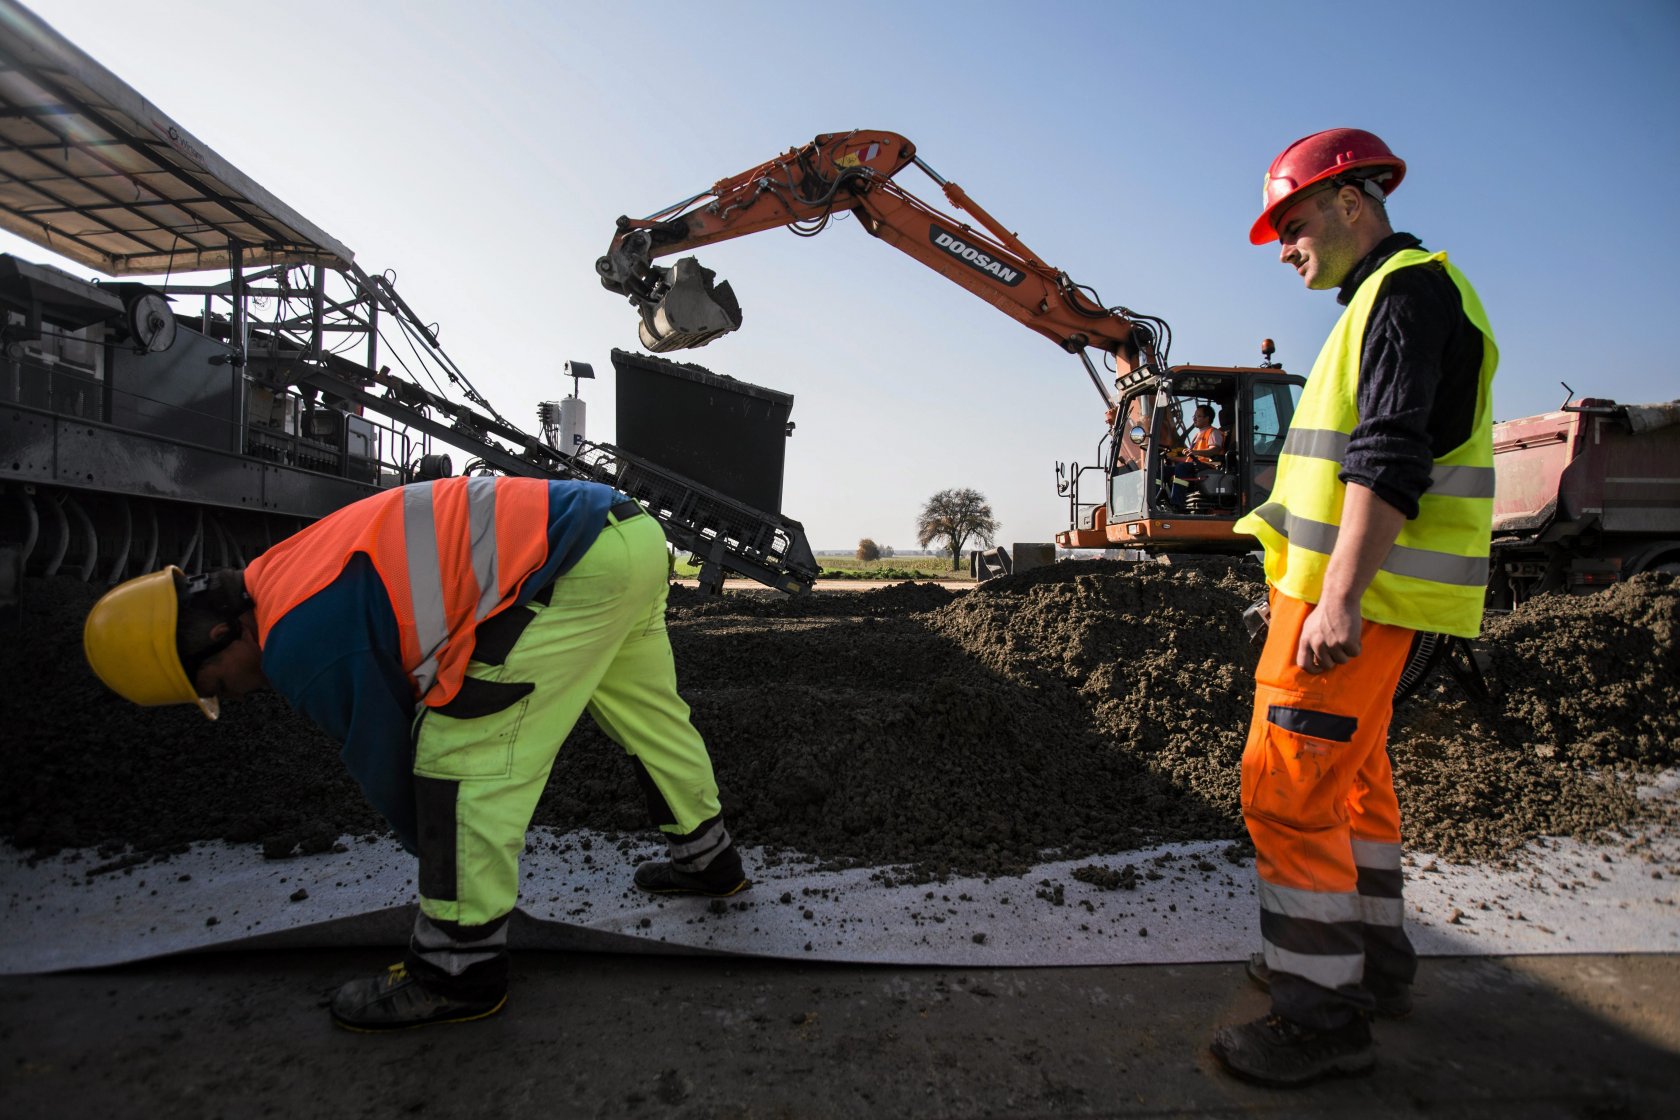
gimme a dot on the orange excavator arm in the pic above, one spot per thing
(684, 306)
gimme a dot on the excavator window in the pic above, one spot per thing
(1132, 448)
(1274, 407)
(1271, 410)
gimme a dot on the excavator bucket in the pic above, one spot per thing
(689, 310)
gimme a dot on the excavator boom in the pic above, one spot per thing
(684, 306)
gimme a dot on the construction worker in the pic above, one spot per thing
(1207, 444)
(1378, 527)
(448, 634)
(1204, 450)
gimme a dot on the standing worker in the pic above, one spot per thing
(1378, 527)
(449, 634)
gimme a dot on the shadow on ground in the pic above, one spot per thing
(246, 1034)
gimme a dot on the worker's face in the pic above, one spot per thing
(234, 672)
(1316, 237)
(1203, 419)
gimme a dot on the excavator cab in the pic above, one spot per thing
(1171, 485)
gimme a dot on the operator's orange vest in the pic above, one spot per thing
(450, 553)
(1208, 439)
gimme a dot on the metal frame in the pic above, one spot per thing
(92, 171)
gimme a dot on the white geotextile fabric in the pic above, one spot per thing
(1566, 897)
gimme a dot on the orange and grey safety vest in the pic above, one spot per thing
(450, 553)
(1208, 439)
(1435, 576)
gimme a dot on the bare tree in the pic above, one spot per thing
(953, 516)
(868, 550)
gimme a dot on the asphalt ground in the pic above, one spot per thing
(246, 1034)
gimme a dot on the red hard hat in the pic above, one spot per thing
(1312, 160)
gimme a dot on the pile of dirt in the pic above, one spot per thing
(82, 768)
(1075, 710)
(1586, 697)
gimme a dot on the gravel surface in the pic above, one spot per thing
(1082, 709)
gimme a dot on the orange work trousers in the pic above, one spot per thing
(1318, 798)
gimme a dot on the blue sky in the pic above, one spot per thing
(482, 151)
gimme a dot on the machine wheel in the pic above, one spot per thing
(1432, 651)
(1427, 653)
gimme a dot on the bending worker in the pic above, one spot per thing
(1378, 527)
(449, 634)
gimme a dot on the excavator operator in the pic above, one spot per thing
(1207, 445)
(1202, 450)
(448, 634)
(1378, 526)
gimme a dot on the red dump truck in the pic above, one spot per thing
(1583, 497)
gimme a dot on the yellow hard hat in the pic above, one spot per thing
(129, 640)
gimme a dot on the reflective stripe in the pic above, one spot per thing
(1375, 911)
(425, 582)
(1461, 482)
(1316, 906)
(1402, 560)
(1376, 854)
(1441, 567)
(433, 944)
(697, 854)
(1316, 443)
(1340, 971)
(1314, 536)
(1331, 446)
(481, 537)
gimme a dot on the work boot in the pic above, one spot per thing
(398, 1000)
(721, 878)
(1274, 1051)
(1394, 1001)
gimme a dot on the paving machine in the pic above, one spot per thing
(145, 421)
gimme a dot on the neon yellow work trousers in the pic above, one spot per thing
(598, 644)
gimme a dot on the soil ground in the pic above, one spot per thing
(1080, 709)
(244, 1035)
(1083, 709)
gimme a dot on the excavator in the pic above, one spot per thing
(1162, 489)
(1152, 493)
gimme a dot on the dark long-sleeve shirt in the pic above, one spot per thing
(1418, 377)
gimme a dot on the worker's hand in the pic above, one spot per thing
(1108, 415)
(1330, 636)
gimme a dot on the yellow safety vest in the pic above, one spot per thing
(1435, 577)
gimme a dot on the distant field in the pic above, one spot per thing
(891, 567)
(849, 567)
